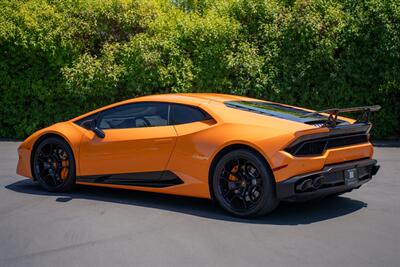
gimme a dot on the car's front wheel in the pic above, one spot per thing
(243, 185)
(53, 165)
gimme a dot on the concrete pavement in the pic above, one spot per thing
(106, 227)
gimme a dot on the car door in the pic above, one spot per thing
(193, 147)
(138, 143)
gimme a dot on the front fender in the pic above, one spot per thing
(70, 132)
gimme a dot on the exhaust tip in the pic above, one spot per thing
(305, 185)
(317, 182)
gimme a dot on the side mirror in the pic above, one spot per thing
(91, 125)
(99, 132)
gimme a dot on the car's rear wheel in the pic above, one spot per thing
(54, 165)
(243, 184)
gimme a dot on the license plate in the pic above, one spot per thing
(351, 177)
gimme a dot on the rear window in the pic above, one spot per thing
(273, 109)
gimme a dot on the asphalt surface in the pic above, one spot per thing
(108, 227)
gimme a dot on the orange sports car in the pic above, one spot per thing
(245, 153)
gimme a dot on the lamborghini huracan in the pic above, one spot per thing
(244, 153)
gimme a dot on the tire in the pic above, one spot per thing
(53, 165)
(243, 184)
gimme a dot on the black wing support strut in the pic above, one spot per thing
(333, 114)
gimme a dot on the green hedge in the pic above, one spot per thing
(59, 59)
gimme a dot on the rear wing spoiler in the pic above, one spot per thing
(334, 112)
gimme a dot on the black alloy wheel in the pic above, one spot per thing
(243, 185)
(54, 165)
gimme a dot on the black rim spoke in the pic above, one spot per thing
(234, 196)
(230, 190)
(244, 203)
(54, 179)
(50, 162)
(240, 184)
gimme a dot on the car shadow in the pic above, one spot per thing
(285, 214)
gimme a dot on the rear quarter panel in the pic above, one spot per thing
(199, 143)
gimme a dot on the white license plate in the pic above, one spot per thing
(351, 177)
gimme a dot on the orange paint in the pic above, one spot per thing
(188, 150)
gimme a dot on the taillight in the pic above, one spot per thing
(315, 147)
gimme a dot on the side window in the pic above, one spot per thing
(181, 114)
(136, 115)
(87, 121)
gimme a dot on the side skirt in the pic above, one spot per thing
(157, 179)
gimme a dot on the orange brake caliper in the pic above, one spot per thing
(234, 170)
(64, 170)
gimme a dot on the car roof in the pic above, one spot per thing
(191, 98)
(194, 99)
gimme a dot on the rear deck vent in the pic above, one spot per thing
(322, 123)
(317, 123)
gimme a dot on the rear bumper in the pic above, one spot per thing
(330, 180)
